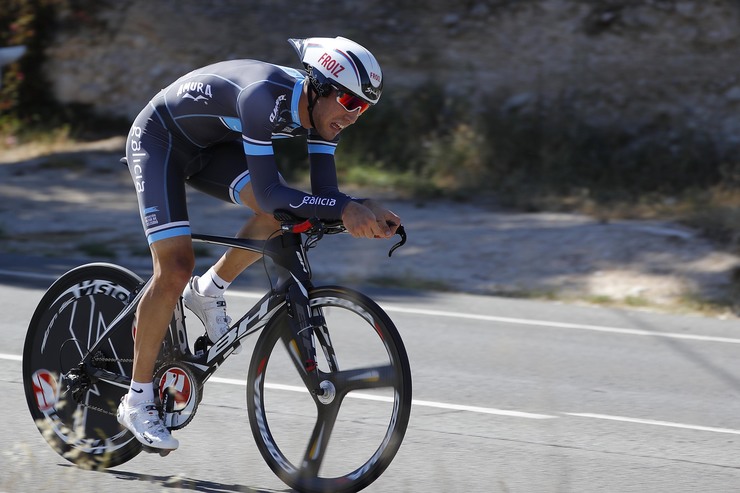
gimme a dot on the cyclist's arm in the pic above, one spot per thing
(257, 104)
(363, 218)
(272, 195)
(324, 169)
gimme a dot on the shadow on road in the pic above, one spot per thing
(182, 483)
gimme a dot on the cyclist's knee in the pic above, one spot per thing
(174, 262)
(246, 195)
(262, 220)
(266, 220)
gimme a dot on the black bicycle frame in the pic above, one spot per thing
(294, 281)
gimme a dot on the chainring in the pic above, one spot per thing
(179, 392)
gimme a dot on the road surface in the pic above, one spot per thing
(509, 396)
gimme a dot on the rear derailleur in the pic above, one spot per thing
(75, 383)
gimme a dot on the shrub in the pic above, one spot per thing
(454, 146)
(27, 105)
(24, 96)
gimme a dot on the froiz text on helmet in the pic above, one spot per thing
(331, 64)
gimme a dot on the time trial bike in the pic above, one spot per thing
(328, 385)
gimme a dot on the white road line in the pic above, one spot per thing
(29, 275)
(414, 402)
(562, 325)
(485, 318)
(656, 423)
(537, 323)
(474, 409)
(481, 410)
(357, 395)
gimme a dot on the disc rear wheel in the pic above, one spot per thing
(70, 318)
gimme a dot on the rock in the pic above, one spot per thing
(504, 48)
(450, 20)
(733, 94)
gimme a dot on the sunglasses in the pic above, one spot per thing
(350, 102)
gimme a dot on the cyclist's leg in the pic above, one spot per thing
(157, 162)
(173, 264)
(157, 168)
(260, 226)
(225, 176)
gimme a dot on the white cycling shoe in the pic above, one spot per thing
(211, 310)
(143, 421)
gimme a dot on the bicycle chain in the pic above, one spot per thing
(99, 359)
(98, 409)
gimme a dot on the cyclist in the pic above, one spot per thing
(213, 129)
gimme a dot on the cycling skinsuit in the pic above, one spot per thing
(213, 129)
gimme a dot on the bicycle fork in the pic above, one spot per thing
(304, 322)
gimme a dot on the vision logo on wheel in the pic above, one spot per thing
(45, 389)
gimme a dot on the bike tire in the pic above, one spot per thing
(357, 327)
(69, 318)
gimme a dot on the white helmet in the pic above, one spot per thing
(341, 63)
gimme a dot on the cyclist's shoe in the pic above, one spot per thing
(143, 421)
(210, 310)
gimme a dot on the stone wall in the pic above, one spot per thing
(624, 62)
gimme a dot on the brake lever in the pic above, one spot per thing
(401, 231)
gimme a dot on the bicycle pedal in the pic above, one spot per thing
(152, 450)
(201, 344)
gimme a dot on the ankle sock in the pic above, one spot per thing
(140, 392)
(210, 284)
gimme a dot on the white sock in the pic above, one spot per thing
(210, 284)
(139, 392)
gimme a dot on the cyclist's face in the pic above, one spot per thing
(331, 117)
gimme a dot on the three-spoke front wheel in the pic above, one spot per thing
(342, 440)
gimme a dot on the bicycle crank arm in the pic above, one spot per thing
(115, 378)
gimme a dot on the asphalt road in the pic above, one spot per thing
(509, 396)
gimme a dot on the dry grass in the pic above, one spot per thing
(54, 142)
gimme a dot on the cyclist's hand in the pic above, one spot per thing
(362, 223)
(387, 219)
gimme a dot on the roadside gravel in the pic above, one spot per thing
(80, 203)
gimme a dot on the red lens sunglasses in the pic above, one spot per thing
(350, 102)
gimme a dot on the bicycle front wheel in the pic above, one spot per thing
(344, 439)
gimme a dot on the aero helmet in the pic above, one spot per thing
(341, 63)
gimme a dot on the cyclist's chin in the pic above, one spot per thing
(328, 132)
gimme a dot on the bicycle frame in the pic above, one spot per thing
(294, 279)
